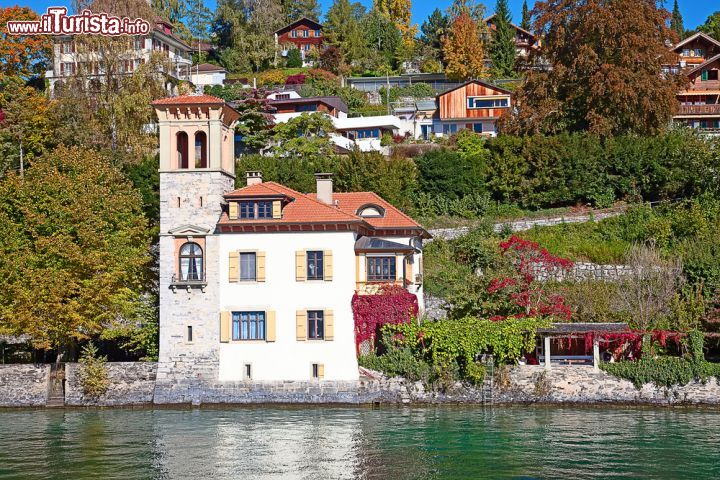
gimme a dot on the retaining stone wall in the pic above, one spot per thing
(583, 384)
(23, 385)
(522, 225)
(585, 271)
(131, 383)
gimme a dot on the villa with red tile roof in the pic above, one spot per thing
(256, 282)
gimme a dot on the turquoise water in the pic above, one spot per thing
(360, 442)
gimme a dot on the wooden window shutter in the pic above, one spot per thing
(276, 209)
(225, 327)
(260, 266)
(233, 210)
(300, 269)
(301, 325)
(321, 370)
(233, 267)
(328, 265)
(399, 268)
(270, 328)
(329, 318)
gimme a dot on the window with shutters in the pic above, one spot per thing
(315, 265)
(248, 266)
(381, 269)
(248, 326)
(256, 210)
(316, 324)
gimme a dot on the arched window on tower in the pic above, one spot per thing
(191, 263)
(200, 150)
(182, 150)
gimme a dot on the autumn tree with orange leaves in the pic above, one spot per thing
(21, 55)
(604, 74)
(464, 49)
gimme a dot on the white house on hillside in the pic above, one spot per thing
(68, 60)
(362, 133)
(256, 283)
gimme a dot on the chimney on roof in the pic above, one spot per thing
(253, 178)
(324, 187)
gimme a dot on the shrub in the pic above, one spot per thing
(93, 372)
(447, 174)
(294, 58)
(298, 79)
(272, 77)
(461, 341)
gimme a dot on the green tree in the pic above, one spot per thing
(254, 123)
(306, 135)
(75, 247)
(297, 9)
(27, 124)
(502, 46)
(526, 22)
(712, 25)
(474, 9)
(198, 19)
(294, 58)
(432, 31)
(400, 13)
(171, 10)
(600, 79)
(342, 29)
(383, 39)
(676, 22)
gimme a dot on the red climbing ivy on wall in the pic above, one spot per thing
(392, 305)
(525, 295)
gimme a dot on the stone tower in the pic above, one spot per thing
(196, 170)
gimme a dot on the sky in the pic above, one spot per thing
(694, 12)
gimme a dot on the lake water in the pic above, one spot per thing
(360, 442)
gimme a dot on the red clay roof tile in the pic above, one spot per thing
(189, 99)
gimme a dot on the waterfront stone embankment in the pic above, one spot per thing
(135, 384)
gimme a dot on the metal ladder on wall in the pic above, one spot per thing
(488, 383)
(56, 386)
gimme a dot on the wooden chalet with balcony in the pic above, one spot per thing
(524, 40)
(303, 34)
(699, 102)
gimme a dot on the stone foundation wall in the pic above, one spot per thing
(135, 384)
(583, 384)
(131, 383)
(23, 385)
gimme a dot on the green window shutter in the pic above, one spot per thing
(704, 75)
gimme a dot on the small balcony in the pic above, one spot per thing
(192, 281)
(713, 109)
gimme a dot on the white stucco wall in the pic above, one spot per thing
(287, 358)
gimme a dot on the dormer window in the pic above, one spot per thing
(371, 211)
(256, 210)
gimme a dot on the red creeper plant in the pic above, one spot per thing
(525, 295)
(392, 305)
